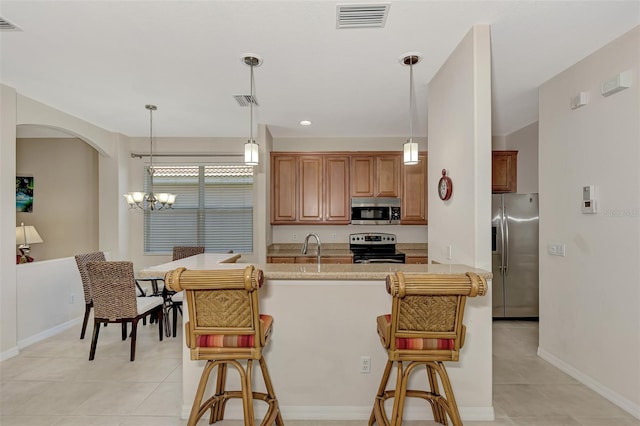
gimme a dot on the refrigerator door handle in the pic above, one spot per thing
(502, 239)
(505, 247)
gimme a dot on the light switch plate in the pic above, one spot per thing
(556, 249)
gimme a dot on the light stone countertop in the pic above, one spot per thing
(310, 271)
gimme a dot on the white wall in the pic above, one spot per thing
(525, 141)
(8, 330)
(590, 299)
(459, 108)
(65, 197)
(16, 110)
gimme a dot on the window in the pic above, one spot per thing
(213, 208)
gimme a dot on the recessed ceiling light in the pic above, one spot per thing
(305, 123)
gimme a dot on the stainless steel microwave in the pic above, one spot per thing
(375, 211)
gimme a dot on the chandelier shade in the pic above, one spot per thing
(410, 148)
(144, 200)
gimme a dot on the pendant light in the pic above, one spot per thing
(410, 147)
(251, 147)
(150, 201)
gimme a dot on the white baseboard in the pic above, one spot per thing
(622, 402)
(234, 412)
(9, 354)
(48, 333)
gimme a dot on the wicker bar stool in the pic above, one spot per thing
(225, 326)
(424, 329)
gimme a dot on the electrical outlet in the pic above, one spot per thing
(294, 236)
(365, 364)
(334, 236)
(72, 298)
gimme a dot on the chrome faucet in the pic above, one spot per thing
(306, 242)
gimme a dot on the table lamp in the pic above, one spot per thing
(26, 235)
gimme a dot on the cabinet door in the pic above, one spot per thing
(387, 178)
(414, 192)
(417, 260)
(284, 173)
(504, 171)
(337, 205)
(281, 259)
(362, 176)
(311, 194)
(335, 259)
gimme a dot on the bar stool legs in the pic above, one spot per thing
(443, 406)
(218, 401)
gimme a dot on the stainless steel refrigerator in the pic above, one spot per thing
(515, 255)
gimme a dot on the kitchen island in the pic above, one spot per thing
(324, 322)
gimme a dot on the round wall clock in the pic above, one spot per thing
(445, 186)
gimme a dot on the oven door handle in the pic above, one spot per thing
(385, 261)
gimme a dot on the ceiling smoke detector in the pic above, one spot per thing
(7, 26)
(373, 15)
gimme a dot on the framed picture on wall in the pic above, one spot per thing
(24, 194)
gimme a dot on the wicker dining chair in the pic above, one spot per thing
(180, 252)
(225, 327)
(81, 262)
(424, 329)
(114, 300)
(174, 301)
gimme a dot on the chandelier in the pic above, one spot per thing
(150, 201)
(410, 147)
(251, 147)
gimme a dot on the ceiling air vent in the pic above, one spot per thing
(373, 15)
(246, 100)
(7, 26)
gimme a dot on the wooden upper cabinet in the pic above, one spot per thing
(310, 188)
(504, 171)
(311, 195)
(362, 176)
(337, 202)
(388, 176)
(374, 175)
(414, 192)
(284, 172)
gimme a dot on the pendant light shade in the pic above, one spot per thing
(251, 148)
(410, 148)
(150, 201)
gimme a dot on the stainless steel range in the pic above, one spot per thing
(375, 248)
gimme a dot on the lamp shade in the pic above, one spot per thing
(26, 235)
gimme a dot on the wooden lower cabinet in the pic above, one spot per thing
(308, 259)
(416, 259)
(281, 259)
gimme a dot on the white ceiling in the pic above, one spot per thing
(103, 61)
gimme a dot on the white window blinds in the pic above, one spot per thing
(213, 208)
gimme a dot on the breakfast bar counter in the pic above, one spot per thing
(324, 323)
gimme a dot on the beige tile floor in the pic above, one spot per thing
(52, 383)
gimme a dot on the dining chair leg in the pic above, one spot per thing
(94, 339)
(175, 320)
(87, 311)
(134, 332)
(160, 315)
(124, 331)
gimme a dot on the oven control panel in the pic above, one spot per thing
(372, 238)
